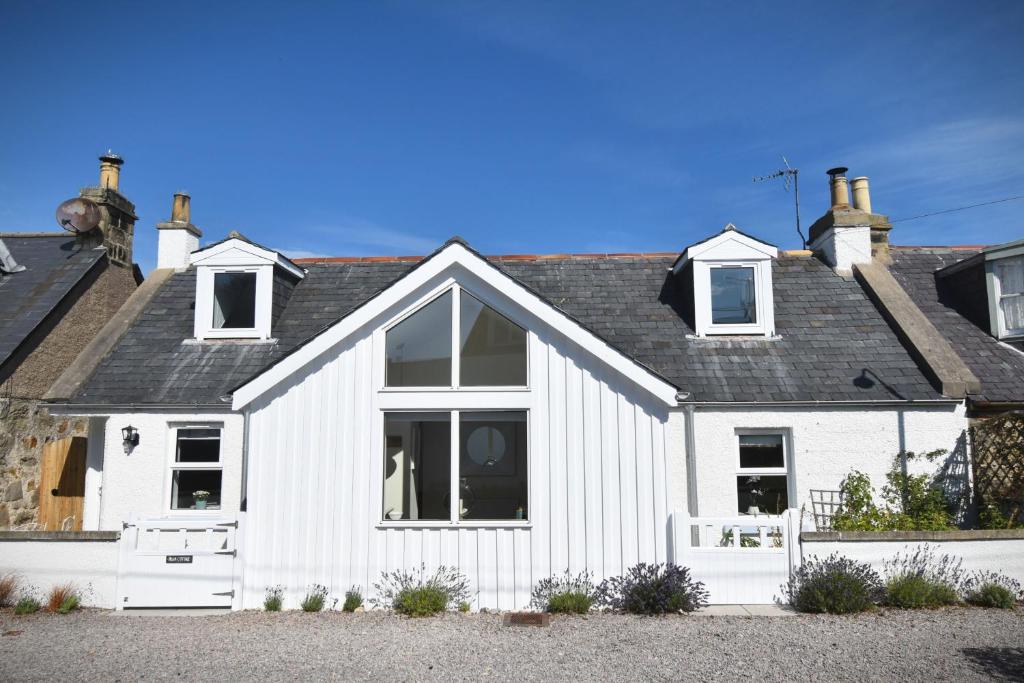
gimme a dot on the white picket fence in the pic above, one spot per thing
(740, 560)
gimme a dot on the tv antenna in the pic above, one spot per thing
(789, 176)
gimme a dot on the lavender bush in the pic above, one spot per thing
(565, 593)
(836, 585)
(992, 589)
(653, 589)
(414, 593)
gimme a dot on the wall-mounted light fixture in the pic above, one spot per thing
(130, 438)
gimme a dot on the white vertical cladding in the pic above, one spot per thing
(824, 445)
(597, 450)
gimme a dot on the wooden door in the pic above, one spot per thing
(62, 484)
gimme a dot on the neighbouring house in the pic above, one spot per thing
(515, 416)
(57, 291)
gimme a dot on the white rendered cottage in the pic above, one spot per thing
(514, 416)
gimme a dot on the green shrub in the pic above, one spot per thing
(27, 605)
(315, 597)
(992, 589)
(421, 601)
(464, 607)
(834, 585)
(272, 600)
(70, 604)
(653, 589)
(570, 603)
(548, 588)
(414, 593)
(353, 599)
(914, 591)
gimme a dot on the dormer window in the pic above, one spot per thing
(235, 283)
(732, 284)
(1009, 295)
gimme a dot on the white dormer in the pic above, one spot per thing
(1004, 275)
(235, 289)
(732, 284)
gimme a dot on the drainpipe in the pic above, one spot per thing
(691, 463)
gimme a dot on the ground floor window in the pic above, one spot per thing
(762, 480)
(196, 472)
(455, 465)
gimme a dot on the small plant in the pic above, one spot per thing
(273, 599)
(464, 607)
(834, 585)
(27, 605)
(200, 497)
(353, 599)
(653, 589)
(551, 594)
(913, 591)
(570, 603)
(59, 595)
(8, 588)
(991, 589)
(70, 604)
(315, 598)
(413, 593)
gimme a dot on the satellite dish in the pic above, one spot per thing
(78, 215)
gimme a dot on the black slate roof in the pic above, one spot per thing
(54, 264)
(999, 366)
(833, 344)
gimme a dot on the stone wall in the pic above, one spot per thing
(25, 426)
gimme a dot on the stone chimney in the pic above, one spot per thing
(178, 237)
(849, 235)
(117, 223)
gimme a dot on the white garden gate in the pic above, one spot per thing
(740, 560)
(178, 562)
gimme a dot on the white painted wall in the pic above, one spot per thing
(844, 247)
(90, 565)
(139, 482)
(1004, 556)
(825, 444)
(598, 482)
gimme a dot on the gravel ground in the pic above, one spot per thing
(961, 644)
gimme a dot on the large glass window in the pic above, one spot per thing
(493, 348)
(485, 472)
(234, 300)
(1010, 273)
(733, 300)
(492, 465)
(762, 482)
(419, 349)
(196, 473)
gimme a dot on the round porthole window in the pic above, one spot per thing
(486, 446)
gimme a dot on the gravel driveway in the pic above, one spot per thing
(962, 644)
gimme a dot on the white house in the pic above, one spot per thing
(514, 416)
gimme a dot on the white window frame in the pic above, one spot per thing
(703, 304)
(996, 309)
(456, 289)
(454, 400)
(785, 470)
(172, 466)
(204, 328)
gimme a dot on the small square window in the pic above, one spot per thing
(196, 471)
(762, 480)
(234, 301)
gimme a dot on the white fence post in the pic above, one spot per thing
(793, 539)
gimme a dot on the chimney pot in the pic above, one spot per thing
(110, 170)
(861, 194)
(839, 187)
(181, 211)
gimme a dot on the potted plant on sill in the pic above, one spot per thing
(200, 497)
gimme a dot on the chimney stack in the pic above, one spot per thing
(861, 194)
(178, 238)
(110, 170)
(840, 191)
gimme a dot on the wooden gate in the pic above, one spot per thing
(740, 560)
(62, 484)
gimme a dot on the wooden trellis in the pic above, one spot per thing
(998, 448)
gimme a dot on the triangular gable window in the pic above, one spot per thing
(489, 350)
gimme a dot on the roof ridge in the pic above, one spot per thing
(492, 257)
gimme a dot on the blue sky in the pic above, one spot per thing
(385, 127)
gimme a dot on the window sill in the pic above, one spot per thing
(450, 390)
(464, 524)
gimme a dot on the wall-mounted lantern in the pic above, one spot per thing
(130, 438)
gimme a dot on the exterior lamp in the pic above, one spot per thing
(130, 438)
